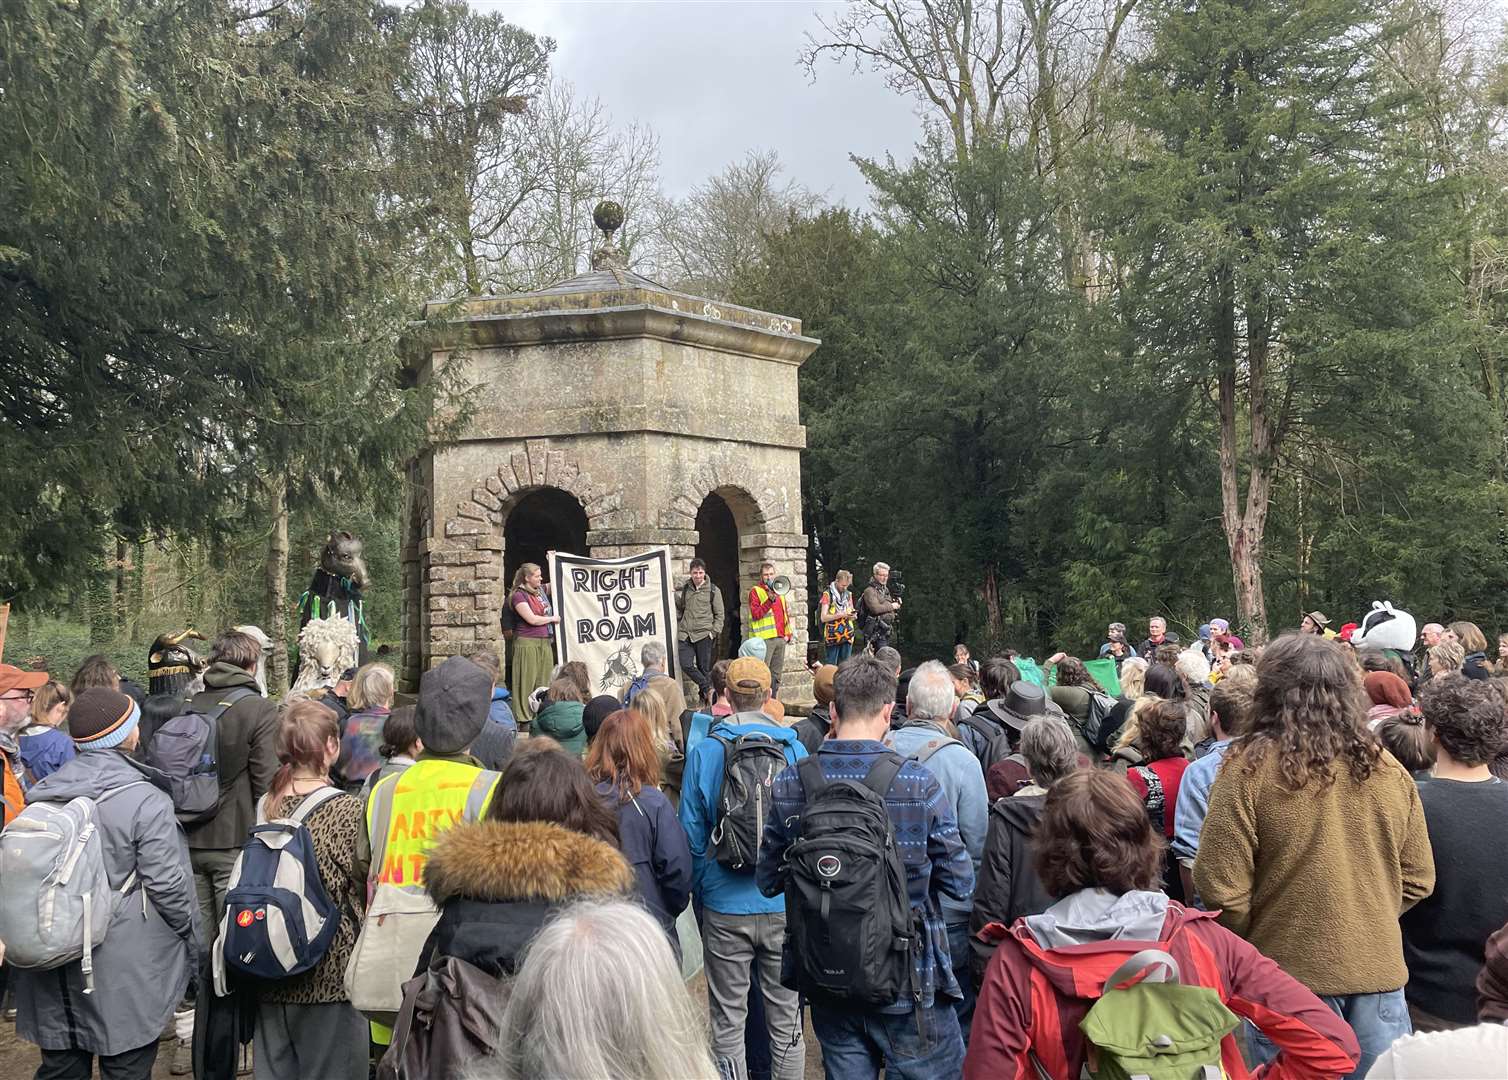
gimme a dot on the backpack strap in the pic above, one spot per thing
(219, 708)
(1149, 965)
(812, 780)
(883, 773)
(313, 802)
(986, 729)
(476, 798)
(381, 816)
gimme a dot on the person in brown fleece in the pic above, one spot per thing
(1316, 841)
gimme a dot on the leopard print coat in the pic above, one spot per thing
(334, 827)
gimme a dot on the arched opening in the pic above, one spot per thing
(545, 520)
(717, 546)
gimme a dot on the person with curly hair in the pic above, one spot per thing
(1315, 841)
(1466, 810)
(1097, 854)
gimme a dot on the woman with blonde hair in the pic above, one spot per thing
(1474, 645)
(45, 747)
(533, 653)
(663, 704)
(371, 700)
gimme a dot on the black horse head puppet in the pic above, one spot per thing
(336, 587)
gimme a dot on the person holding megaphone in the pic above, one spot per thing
(770, 619)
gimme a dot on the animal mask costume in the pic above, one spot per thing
(171, 664)
(335, 590)
(1386, 627)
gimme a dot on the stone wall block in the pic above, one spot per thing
(495, 485)
(464, 526)
(554, 462)
(536, 449)
(519, 462)
(484, 498)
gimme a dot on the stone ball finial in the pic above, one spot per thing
(608, 216)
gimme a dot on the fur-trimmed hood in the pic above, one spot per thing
(536, 860)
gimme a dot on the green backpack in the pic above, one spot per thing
(1157, 1027)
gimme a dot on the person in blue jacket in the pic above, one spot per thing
(742, 929)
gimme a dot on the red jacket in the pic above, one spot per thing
(1034, 998)
(773, 602)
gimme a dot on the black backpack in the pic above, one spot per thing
(996, 738)
(849, 926)
(186, 748)
(750, 764)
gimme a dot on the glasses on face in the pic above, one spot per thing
(17, 695)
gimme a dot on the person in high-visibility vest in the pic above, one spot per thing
(405, 813)
(770, 619)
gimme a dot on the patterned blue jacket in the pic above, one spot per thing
(926, 834)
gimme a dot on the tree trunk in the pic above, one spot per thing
(120, 584)
(277, 586)
(1243, 529)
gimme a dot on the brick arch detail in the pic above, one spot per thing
(537, 466)
(762, 509)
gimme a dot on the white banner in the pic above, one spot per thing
(608, 609)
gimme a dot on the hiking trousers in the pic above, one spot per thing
(732, 947)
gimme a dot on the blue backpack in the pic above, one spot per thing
(278, 919)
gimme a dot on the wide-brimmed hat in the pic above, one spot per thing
(1319, 618)
(1023, 702)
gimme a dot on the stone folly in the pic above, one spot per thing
(613, 415)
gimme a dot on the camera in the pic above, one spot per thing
(895, 586)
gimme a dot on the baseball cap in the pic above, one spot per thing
(13, 678)
(822, 683)
(749, 676)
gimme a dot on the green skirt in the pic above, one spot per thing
(533, 660)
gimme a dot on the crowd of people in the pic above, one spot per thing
(1292, 856)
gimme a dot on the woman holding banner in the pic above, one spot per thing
(533, 652)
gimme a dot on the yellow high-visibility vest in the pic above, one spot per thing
(419, 803)
(765, 627)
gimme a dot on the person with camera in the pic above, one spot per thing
(881, 603)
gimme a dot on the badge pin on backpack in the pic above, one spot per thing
(278, 919)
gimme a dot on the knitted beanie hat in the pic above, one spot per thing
(100, 719)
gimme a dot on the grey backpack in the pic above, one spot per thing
(55, 897)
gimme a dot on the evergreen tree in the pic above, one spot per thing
(1276, 255)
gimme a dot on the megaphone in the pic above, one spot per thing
(781, 585)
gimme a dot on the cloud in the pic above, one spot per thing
(717, 79)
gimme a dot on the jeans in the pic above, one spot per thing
(1378, 1020)
(958, 949)
(923, 1044)
(696, 662)
(732, 946)
(79, 1064)
(836, 654)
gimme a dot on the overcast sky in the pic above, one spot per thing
(718, 79)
